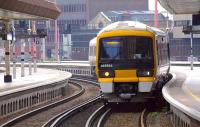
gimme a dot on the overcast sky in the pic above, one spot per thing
(160, 8)
(152, 6)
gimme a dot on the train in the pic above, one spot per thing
(92, 55)
(132, 61)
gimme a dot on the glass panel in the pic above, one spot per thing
(126, 48)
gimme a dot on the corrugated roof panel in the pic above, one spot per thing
(181, 6)
(134, 15)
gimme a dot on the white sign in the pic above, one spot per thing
(67, 46)
(1, 52)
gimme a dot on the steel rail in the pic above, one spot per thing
(143, 118)
(44, 108)
(95, 115)
(67, 114)
(50, 122)
(103, 118)
(84, 80)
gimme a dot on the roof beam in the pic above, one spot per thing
(28, 9)
(181, 6)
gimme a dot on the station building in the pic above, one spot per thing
(80, 12)
(75, 16)
(82, 19)
(103, 19)
(180, 42)
(82, 37)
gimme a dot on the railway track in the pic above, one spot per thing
(87, 112)
(107, 117)
(98, 117)
(60, 119)
(143, 116)
(88, 80)
(125, 119)
(39, 116)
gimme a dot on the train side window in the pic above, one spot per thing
(95, 50)
(160, 51)
(91, 51)
(158, 55)
(165, 50)
(168, 53)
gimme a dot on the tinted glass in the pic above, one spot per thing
(126, 48)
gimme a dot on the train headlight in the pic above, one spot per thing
(144, 73)
(106, 73)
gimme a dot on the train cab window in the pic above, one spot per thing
(143, 49)
(110, 48)
(126, 48)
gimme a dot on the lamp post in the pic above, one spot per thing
(14, 62)
(191, 51)
(43, 49)
(56, 44)
(34, 47)
(156, 14)
(58, 39)
(14, 51)
(29, 48)
(22, 57)
(7, 76)
(35, 55)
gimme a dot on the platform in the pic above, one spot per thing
(184, 63)
(73, 63)
(40, 78)
(184, 91)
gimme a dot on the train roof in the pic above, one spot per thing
(131, 25)
(93, 42)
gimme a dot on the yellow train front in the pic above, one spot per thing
(132, 61)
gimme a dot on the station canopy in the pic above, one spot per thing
(28, 9)
(181, 6)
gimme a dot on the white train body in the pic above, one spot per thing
(92, 54)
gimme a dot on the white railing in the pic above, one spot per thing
(77, 71)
